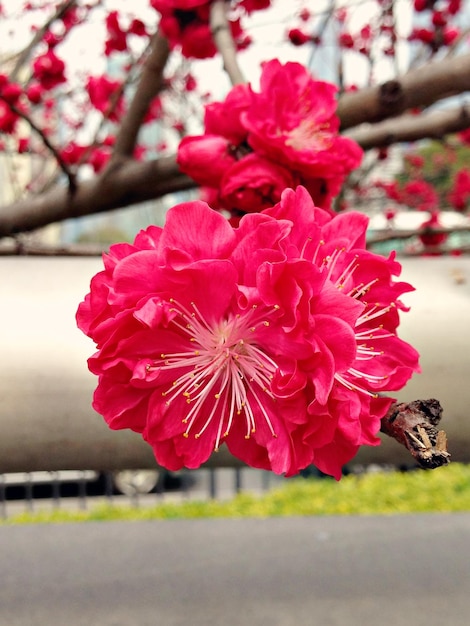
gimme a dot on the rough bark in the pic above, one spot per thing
(417, 88)
(414, 425)
(409, 127)
(128, 184)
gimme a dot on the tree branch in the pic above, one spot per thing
(420, 87)
(223, 41)
(150, 83)
(414, 425)
(129, 184)
(411, 128)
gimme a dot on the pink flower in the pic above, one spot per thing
(23, 145)
(420, 194)
(49, 70)
(298, 37)
(274, 338)
(165, 6)
(117, 38)
(196, 41)
(225, 118)
(34, 92)
(186, 24)
(72, 153)
(102, 93)
(8, 119)
(429, 238)
(254, 183)
(291, 123)
(293, 120)
(254, 5)
(206, 158)
(459, 195)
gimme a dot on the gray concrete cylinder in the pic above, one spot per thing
(46, 419)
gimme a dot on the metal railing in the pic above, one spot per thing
(32, 492)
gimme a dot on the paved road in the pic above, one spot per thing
(330, 571)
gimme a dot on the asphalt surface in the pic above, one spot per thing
(326, 571)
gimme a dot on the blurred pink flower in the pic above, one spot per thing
(274, 338)
(291, 123)
(254, 183)
(459, 195)
(293, 120)
(102, 92)
(49, 70)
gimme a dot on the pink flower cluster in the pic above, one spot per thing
(276, 338)
(438, 33)
(257, 144)
(117, 36)
(415, 194)
(186, 24)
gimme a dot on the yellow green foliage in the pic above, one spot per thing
(442, 490)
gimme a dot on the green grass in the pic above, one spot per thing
(442, 490)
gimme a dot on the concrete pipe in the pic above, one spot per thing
(46, 419)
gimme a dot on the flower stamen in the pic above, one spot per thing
(223, 373)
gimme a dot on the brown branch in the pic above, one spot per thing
(391, 234)
(420, 87)
(411, 128)
(130, 184)
(19, 247)
(414, 425)
(223, 41)
(150, 83)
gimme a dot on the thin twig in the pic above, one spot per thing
(72, 185)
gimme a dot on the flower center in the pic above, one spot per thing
(309, 135)
(223, 373)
